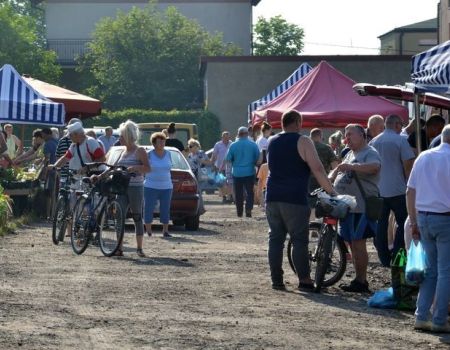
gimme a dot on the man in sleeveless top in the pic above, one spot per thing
(291, 158)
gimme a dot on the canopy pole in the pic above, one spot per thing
(417, 116)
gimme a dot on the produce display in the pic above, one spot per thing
(16, 178)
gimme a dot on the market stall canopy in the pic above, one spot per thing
(77, 105)
(325, 98)
(402, 93)
(430, 69)
(296, 76)
(21, 104)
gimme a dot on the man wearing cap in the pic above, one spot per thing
(63, 145)
(83, 150)
(243, 156)
(108, 139)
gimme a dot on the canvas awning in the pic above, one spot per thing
(76, 104)
(20, 103)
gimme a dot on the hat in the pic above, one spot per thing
(75, 127)
(242, 130)
(74, 120)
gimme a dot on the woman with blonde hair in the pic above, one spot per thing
(197, 159)
(135, 159)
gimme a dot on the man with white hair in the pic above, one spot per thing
(375, 126)
(428, 201)
(243, 156)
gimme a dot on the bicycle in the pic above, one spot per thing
(98, 211)
(327, 250)
(62, 214)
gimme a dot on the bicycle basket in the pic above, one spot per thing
(117, 183)
(331, 207)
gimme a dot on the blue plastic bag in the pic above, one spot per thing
(383, 299)
(220, 179)
(415, 264)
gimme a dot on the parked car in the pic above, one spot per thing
(184, 208)
(100, 131)
(185, 131)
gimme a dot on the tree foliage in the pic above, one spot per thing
(22, 43)
(277, 37)
(149, 59)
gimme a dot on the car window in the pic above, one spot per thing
(182, 135)
(178, 161)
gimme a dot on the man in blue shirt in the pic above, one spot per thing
(243, 156)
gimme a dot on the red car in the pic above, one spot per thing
(185, 199)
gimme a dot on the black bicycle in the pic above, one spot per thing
(98, 212)
(62, 214)
(327, 250)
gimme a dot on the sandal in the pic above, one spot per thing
(140, 253)
(119, 252)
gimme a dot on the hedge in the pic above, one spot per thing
(208, 123)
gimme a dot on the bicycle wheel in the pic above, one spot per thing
(80, 234)
(60, 220)
(323, 255)
(338, 263)
(111, 227)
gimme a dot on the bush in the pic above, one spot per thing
(208, 124)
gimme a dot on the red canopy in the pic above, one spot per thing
(76, 105)
(325, 98)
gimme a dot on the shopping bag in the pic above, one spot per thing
(203, 174)
(383, 299)
(404, 294)
(415, 266)
(220, 179)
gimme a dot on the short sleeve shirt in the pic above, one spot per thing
(90, 150)
(345, 181)
(393, 150)
(220, 151)
(50, 147)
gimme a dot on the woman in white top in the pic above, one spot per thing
(263, 140)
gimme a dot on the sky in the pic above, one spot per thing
(346, 27)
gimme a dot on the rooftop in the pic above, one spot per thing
(429, 25)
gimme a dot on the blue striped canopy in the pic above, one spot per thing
(21, 104)
(298, 74)
(430, 69)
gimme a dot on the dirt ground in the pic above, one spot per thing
(208, 289)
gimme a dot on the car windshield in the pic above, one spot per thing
(146, 133)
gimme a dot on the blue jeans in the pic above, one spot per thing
(398, 206)
(240, 184)
(435, 238)
(151, 196)
(284, 218)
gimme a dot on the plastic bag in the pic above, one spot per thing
(203, 174)
(383, 299)
(415, 266)
(220, 179)
(404, 294)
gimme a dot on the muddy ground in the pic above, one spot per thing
(200, 290)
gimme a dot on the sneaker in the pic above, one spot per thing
(140, 253)
(248, 214)
(167, 235)
(278, 286)
(445, 328)
(356, 287)
(422, 325)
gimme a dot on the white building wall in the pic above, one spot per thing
(76, 20)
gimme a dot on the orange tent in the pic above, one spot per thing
(76, 105)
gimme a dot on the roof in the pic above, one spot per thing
(429, 25)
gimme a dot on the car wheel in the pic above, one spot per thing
(192, 223)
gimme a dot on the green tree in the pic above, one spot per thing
(277, 37)
(22, 43)
(149, 59)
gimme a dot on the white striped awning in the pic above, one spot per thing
(430, 69)
(21, 104)
(298, 74)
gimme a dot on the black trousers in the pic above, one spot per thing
(240, 184)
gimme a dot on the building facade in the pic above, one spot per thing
(70, 23)
(444, 20)
(410, 39)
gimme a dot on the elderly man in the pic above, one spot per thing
(375, 126)
(428, 200)
(108, 139)
(364, 162)
(243, 156)
(397, 159)
(291, 159)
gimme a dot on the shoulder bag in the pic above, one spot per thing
(374, 204)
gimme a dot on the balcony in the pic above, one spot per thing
(67, 50)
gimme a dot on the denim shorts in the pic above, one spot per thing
(356, 226)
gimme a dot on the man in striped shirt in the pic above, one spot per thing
(63, 145)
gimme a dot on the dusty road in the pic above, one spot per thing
(200, 290)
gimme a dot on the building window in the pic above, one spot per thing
(428, 42)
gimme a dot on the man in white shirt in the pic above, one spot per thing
(428, 200)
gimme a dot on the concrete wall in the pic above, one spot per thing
(407, 43)
(77, 19)
(232, 83)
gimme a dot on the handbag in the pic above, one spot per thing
(374, 204)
